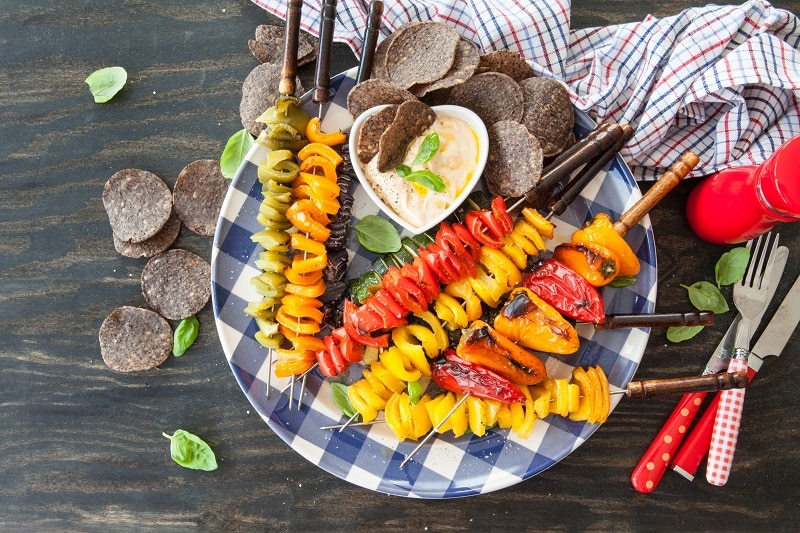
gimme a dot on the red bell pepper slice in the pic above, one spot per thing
(330, 360)
(470, 242)
(391, 311)
(566, 290)
(454, 374)
(410, 294)
(501, 214)
(360, 322)
(443, 271)
(484, 228)
(351, 350)
(448, 240)
(419, 271)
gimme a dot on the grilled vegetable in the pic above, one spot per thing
(565, 290)
(457, 375)
(530, 321)
(482, 345)
(594, 262)
(600, 230)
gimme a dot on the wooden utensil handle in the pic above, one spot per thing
(322, 75)
(658, 320)
(674, 174)
(286, 85)
(651, 388)
(370, 40)
(558, 204)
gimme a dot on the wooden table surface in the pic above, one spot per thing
(81, 446)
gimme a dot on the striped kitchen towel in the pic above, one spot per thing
(723, 81)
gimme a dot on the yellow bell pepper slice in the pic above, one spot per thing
(365, 400)
(436, 327)
(463, 290)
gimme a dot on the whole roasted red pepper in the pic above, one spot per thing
(454, 374)
(566, 290)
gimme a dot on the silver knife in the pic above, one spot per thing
(727, 422)
(687, 460)
(650, 469)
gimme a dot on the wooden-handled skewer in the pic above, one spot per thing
(322, 76)
(558, 204)
(370, 40)
(287, 85)
(596, 142)
(674, 174)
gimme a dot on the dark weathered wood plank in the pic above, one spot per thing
(81, 447)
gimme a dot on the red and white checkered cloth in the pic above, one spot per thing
(723, 81)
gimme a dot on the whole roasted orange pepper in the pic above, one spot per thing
(594, 262)
(530, 321)
(601, 231)
(483, 345)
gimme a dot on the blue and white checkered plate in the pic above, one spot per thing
(370, 456)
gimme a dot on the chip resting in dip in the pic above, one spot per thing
(418, 163)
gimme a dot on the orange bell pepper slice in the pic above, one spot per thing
(315, 134)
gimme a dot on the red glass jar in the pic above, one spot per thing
(741, 203)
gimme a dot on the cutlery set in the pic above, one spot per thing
(715, 433)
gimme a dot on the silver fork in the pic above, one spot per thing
(750, 296)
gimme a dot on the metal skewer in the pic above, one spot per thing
(435, 430)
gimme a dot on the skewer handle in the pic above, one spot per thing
(658, 320)
(286, 85)
(370, 40)
(674, 174)
(651, 388)
(560, 203)
(322, 76)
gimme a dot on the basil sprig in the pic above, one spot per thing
(234, 153)
(190, 451)
(426, 178)
(106, 82)
(185, 335)
(377, 234)
(427, 149)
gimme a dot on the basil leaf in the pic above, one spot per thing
(191, 451)
(427, 149)
(623, 281)
(706, 296)
(414, 391)
(427, 179)
(731, 266)
(185, 335)
(106, 82)
(682, 333)
(234, 153)
(403, 170)
(377, 234)
(340, 399)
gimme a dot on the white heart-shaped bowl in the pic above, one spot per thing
(462, 113)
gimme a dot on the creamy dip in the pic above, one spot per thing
(455, 162)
